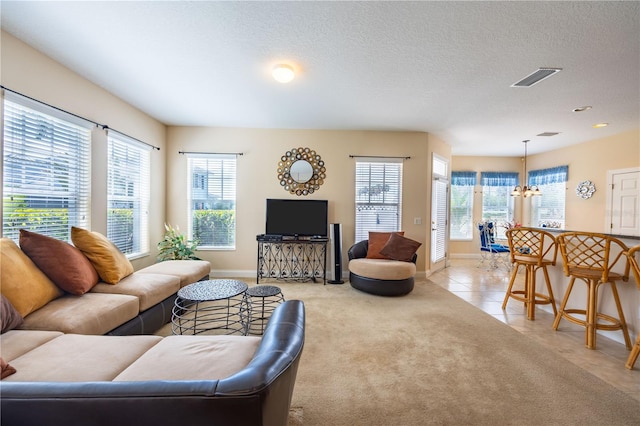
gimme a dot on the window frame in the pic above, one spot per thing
(552, 182)
(388, 173)
(498, 185)
(463, 185)
(227, 169)
(137, 192)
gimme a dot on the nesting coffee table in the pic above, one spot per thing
(211, 305)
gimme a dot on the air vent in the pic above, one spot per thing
(536, 77)
(549, 134)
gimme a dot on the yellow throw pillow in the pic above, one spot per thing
(26, 286)
(111, 264)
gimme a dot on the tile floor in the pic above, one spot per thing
(486, 289)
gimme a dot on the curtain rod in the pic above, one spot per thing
(102, 126)
(213, 153)
(377, 156)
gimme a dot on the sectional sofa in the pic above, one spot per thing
(76, 344)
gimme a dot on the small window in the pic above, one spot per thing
(128, 195)
(548, 209)
(497, 202)
(462, 186)
(212, 200)
(378, 196)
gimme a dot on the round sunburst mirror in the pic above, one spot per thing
(301, 171)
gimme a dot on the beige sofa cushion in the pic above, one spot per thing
(91, 313)
(193, 358)
(150, 289)
(382, 269)
(189, 271)
(78, 358)
(15, 343)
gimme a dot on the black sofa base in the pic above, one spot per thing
(381, 287)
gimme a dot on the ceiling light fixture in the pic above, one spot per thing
(600, 125)
(582, 108)
(283, 73)
(525, 191)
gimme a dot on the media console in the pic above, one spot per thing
(292, 259)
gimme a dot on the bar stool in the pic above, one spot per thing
(263, 300)
(534, 249)
(590, 257)
(633, 262)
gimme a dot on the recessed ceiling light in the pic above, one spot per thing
(283, 73)
(582, 108)
(600, 125)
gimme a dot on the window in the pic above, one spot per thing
(547, 210)
(128, 195)
(497, 202)
(46, 170)
(378, 196)
(462, 185)
(212, 200)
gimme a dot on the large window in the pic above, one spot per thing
(212, 200)
(128, 195)
(46, 175)
(497, 202)
(547, 210)
(462, 186)
(378, 196)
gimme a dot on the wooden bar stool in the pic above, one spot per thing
(534, 249)
(590, 257)
(633, 254)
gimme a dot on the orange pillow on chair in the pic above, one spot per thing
(377, 241)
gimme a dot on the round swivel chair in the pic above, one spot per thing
(377, 276)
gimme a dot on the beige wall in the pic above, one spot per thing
(257, 180)
(27, 71)
(587, 161)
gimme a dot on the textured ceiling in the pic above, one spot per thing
(440, 67)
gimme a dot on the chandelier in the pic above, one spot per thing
(525, 191)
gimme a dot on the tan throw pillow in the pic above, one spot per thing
(26, 286)
(111, 264)
(63, 263)
(400, 248)
(377, 240)
(9, 317)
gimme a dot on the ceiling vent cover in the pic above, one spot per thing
(548, 134)
(536, 77)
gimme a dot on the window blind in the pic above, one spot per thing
(462, 186)
(212, 200)
(497, 202)
(378, 189)
(128, 194)
(548, 210)
(46, 171)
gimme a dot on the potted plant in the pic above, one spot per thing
(175, 246)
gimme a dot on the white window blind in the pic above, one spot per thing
(128, 194)
(497, 202)
(212, 200)
(547, 210)
(462, 186)
(46, 170)
(378, 196)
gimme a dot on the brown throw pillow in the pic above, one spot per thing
(8, 315)
(400, 248)
(377, 240)
(111, 264)
(7, 370)
(63, 263)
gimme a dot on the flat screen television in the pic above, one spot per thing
(302, 218)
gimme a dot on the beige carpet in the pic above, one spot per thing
(430, 358)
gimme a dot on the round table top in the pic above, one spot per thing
(263, 291)
(212, 290)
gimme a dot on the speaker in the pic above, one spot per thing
(335, 232)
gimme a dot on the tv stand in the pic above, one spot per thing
(292, 259)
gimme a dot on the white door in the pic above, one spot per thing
(439, 209)
(624, 218)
